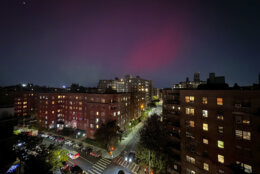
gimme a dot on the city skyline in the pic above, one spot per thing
(52, 43)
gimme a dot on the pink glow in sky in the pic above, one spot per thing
(154, 52)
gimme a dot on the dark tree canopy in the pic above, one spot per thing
(108, 134)
(153, 135)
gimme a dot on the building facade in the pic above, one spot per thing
(218, 129)
(82, 111)
(24, 103)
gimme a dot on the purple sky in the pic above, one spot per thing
(53, 43)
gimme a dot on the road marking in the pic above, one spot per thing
(91, 172)
(131, 166)
(102, 162)
(86, 160)
(101, 165)
(106, 162)
(95, 167)
(102, 168)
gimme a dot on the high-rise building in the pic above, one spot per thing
(217, 130)
(141, 91)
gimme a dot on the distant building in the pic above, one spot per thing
(129, 84)
(215, 80)
(157, 93)
(190, 84)
(141, 91)
(212, 130)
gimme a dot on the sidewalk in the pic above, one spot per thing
(121, 146)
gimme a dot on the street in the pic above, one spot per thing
(106, 164)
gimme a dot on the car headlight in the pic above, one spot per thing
(125, 158)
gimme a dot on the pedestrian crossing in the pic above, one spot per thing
(130, 166)
(99, 167)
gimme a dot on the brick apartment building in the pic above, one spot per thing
(213, 129)
(82, 110)
(24, 103)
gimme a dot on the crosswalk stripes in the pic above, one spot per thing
(99, 167)
(130, 166)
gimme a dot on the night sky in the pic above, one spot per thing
(51, 42)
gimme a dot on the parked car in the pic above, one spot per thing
(44, 135)
(68, 142)
(130, 157)
(73, 154)
(76, 146)
(60, 139)
(95, 154)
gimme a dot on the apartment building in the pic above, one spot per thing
(24, 103)
(218, 129)
(83, 111)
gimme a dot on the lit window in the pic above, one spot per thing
(91, 125)
(239, 134)
(53, 102)
(246, 135)
(205, 141)
(97, 113)
(221, 159)
(103, 100)
(221, 144)
(179, 108)
(220, 117)
(190, 111)
(220, 129)
(191, 123)
(97, 120)
(204, 113)
(205, 100)
(205, 127)
(118, 113)
(246, 121)
(52, 112)
(206, 166)
(189, 171)
(190, 159)
(173, 107)
(247, 168)
(97, 126)
(219, 101)
(189, 99)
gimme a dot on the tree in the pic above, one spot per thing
(57, 157)
(153, 138)
(32, 165)
(157, 161)
(153, 135)
(108, 134)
